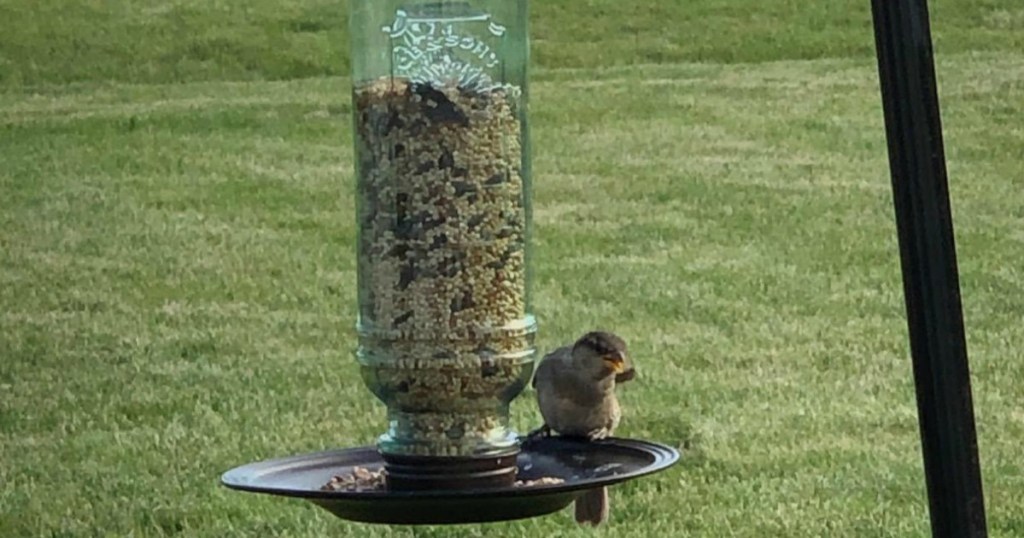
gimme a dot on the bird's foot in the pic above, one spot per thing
(539, 433)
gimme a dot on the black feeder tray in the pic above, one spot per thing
(581, 464)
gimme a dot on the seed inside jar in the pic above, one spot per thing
(446, 340)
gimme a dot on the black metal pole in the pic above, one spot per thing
(930, 280)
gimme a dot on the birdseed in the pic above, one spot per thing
(359, 479)
(543, 481)
(445, 341)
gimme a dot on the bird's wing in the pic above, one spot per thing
(549, 363)
(570, 385)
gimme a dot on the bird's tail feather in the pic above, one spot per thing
(592, 507)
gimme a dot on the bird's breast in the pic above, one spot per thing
(568, 416)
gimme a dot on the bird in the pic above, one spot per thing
(575, 387)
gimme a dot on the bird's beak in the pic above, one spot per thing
(617, 361)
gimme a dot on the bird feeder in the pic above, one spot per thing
(445, 328)
(446, 339)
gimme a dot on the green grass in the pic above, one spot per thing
(163, 41)
(177, 275)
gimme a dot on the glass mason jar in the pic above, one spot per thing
(446, 337)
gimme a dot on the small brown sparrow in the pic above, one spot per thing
(575, 388)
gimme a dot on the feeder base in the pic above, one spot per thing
(581, 465)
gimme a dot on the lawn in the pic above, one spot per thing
(168, 41)
(177, 273)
